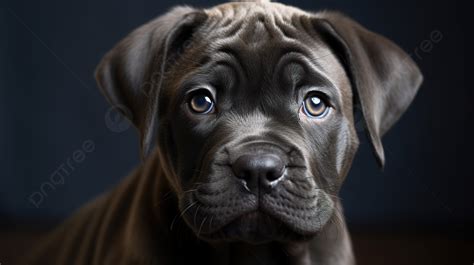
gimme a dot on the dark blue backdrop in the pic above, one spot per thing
(51, 111)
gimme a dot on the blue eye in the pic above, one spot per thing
(201, 102)
(314, 106)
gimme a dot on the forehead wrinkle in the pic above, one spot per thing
(255, 31)
(287, 28)
(227, 54)
(288, 31)
(244, 13)
(236, 50)
(312, 64)
(281, 27)
(266, 7)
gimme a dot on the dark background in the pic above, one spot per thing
(50, 105)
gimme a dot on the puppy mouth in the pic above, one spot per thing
(252, 227)
(254, 221)
(256, 227)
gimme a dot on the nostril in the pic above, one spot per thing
(245, 175)
(274, 174)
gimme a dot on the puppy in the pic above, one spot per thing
(246, 119)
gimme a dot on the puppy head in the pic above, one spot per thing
(251, 105)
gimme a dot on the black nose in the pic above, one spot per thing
(258, 170)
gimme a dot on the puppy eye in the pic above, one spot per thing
(315, 106)
(201, 102)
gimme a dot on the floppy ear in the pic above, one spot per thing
(131, 74)
(384, 78)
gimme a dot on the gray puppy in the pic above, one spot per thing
(251, 108)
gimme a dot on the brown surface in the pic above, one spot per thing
(412, 249)
(14, 244)
(371, 249)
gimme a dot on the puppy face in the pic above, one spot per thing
(262, 128)
(254, 108)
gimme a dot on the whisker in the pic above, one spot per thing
(210, 223)
(200, 227)
(182, 213)
(187, 208)
(195, 214)
(191, 190)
